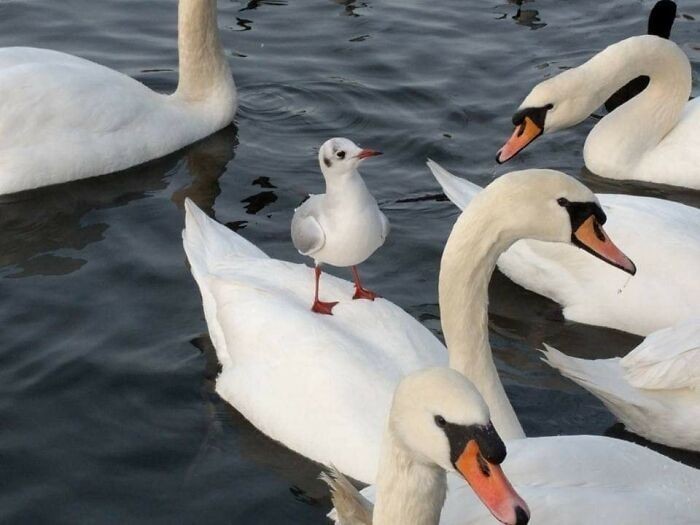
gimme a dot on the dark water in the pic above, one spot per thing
(107, 408)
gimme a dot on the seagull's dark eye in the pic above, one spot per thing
(440, 421)
(340, 154)
(563, 202)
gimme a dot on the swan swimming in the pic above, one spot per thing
(64, 118)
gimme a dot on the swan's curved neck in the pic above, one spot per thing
(640, 124)
(478, 237)
(203, 66)
(407, 491)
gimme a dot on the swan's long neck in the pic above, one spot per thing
(204, 70)
(408, 491)
(477, 239)
(620, 139)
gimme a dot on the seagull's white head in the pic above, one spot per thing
(340, 156)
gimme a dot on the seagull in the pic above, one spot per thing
(343, 226)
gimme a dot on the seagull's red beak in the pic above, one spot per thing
(363, 154)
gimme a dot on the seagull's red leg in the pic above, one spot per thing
(321, 307)
(360, 292)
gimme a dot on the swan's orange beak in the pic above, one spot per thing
(522, 136)
(491, 485)
(592, 237)
(363, 154)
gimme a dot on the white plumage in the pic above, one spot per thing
(343, 226)
(309, 381)
(653, 137)
(65, 118)
(653, 390)
(662, 237)
(323, 385)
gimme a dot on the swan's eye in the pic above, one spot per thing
(340, 154)
(563, 202)
(549, 106)
(440, 421)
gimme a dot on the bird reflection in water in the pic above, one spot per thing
(525, 17)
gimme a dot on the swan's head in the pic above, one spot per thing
(557, 103)
(548, 205)
(441, 419)
(338, 157)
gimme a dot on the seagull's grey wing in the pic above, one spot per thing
(307, 235)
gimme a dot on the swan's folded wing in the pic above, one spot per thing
(307, 234)
(666, 359)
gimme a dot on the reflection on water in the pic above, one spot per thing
(529, 18)
(351, 6)
(524, 16)
(206, 163)
(48, 219)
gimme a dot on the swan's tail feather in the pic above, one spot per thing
(459, 191)
(207, 242)
(601, 377)
(351, 507)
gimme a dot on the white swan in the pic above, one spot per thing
(653, 137)
(322, 385)
(654, 390)
(438, 422)
(288, 369)
(343, 226)
(662, 237)
(65, 118)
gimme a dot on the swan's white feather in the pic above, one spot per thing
(668, 413)
(667, 359)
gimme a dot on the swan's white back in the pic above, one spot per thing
(293, 373)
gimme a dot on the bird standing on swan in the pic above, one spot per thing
(438, 422)
(654, 137)
(64, 118)
(654, 390)
(343, 226)
(323, 386)
(662, 237)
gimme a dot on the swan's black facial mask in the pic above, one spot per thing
(477, 451)
(529, 124)
(587, 219)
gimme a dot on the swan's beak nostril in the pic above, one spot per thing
(521, 516)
